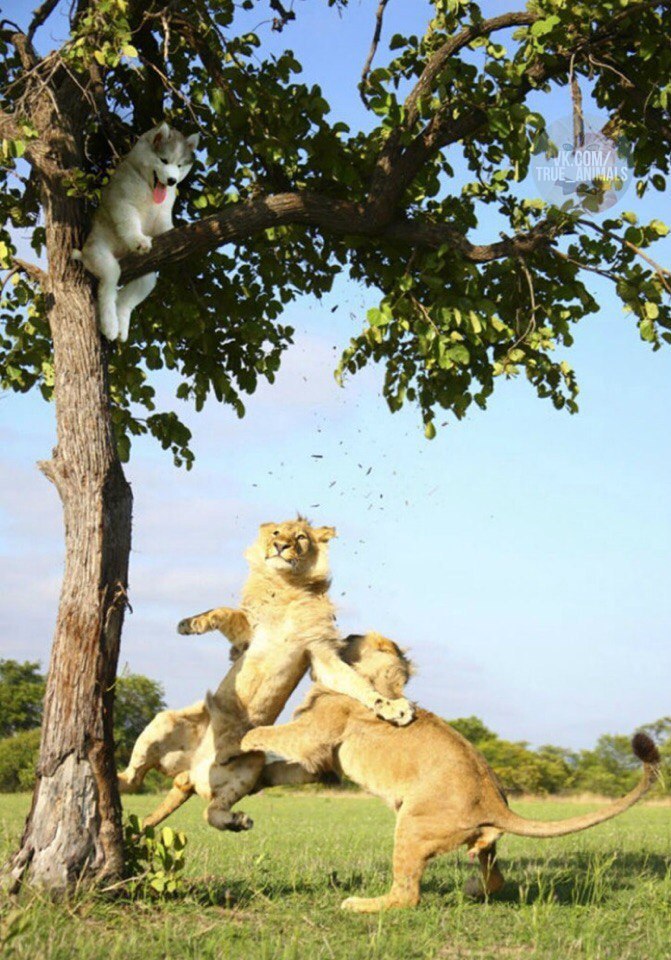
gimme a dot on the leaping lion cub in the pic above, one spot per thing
(285, 623)
(444, 792)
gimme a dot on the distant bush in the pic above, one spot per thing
(18, 761)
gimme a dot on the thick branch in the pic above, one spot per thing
(456, 43)
(336, 217)
(397, 167)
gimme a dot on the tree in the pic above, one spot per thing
(286, 199)
(21, 696)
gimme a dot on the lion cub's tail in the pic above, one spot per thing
(647, 753)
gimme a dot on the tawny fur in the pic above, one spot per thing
(444, 792)
(286, 622)
(135, 206)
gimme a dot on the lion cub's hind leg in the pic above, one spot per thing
(237, 779)
(181, 790)
(490, 879)
(417, 839)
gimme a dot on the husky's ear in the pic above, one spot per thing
(193, 141)
(159, 135)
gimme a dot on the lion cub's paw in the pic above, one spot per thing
(191, 625)
(366, 904)
(400, 712)
(251, 741)
(473, 888)
(236, 821)
(240, 821)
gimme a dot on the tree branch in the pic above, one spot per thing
(397, 167)
(456, 43)
(40, 16)
(379, 17)
(661, 271)
(336, 217)
(22, 266)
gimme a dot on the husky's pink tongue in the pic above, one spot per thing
(160, 192)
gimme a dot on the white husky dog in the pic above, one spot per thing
(135, 206)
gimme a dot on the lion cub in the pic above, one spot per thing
(444, 792)
(286, 622)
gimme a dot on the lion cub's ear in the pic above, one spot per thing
(324, 534)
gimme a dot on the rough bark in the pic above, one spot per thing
(73, 831)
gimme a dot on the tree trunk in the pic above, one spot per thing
(73, 831)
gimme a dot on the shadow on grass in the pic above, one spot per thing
(577, 879)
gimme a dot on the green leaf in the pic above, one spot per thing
(168, 836)
(647, 330)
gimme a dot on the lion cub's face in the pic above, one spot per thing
(292, 546)
(380, 660)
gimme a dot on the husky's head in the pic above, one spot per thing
(164, 157)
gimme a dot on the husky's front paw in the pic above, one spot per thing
(143, 245)
(400, 712)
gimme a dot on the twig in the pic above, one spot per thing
(532, 296)
(587, 266)
(280, 22)
(661, 271)
(39, 17)
(22, 266)
(379, 17)
(8, 277)
(425, 313)
(578, 117)
(175, 91)
(607, 66)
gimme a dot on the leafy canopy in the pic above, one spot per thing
(452, 315)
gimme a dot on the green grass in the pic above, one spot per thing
(275, 893)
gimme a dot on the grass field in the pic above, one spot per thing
(275, 893)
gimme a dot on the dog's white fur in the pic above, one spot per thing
(129, 216)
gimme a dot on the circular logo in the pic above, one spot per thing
(590, 175)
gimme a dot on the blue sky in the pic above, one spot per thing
(522, 555)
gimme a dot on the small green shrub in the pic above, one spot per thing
(154, 861)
